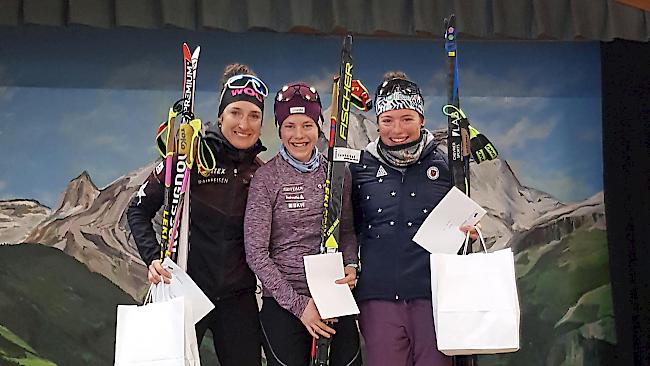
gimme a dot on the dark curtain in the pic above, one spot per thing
(626, 148)
(486, 19)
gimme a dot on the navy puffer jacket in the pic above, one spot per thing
(390, 204)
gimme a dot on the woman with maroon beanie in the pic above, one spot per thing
(283, 224)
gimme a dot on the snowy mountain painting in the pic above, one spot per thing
(67, 257)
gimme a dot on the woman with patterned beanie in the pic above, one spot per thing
(400, 179)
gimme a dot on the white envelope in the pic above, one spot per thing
(440, 232)
(182, 285)
(332, 300)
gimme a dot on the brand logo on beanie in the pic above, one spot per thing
(295, 110)
(248, 91)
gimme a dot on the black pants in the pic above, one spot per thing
(235, 330)
(287, 343)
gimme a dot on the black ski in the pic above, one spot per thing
(338, 154)
(458, 144)
(458, 127)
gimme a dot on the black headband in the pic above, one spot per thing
(248, 94)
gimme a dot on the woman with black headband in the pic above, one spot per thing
(217, 261)
(401, 178)
(283, 224)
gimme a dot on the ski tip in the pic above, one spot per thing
(347, 43)
(186, 51)
(196, 52)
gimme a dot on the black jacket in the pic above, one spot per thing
(216, 260)
(390, 204)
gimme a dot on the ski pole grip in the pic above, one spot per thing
(184, 139)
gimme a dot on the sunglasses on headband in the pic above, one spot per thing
(243, 81)
(288, 92)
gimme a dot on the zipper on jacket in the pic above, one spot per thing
(400, 220)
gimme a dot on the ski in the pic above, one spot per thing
(458, 145)
(458, 127)
(180, 140)
(338, 154)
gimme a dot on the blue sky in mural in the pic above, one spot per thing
(73, 101)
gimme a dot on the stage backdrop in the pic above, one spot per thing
(79, 109)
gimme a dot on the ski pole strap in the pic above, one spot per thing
(161, 145)
(205, 160)
(480, 146)
(162, 133)
(454, 112)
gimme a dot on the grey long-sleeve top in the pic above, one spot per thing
(283, 220)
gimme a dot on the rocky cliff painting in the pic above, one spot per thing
(67, 257)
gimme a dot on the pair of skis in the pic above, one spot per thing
(181, 143)
(338, 154)
(463, 139)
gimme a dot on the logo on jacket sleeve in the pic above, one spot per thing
(160, 167)
(381, 172)
(433, 172)
(141, 192)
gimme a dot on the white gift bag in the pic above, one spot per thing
(475, 302)
(160, 332)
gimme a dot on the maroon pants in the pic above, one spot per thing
(400, 333)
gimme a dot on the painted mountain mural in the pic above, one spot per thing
(75, 263)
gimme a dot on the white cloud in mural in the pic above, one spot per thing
(563, 185)
(108, 136)
(322, 82)
(523, 132)
(3, 185)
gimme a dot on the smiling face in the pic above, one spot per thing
(400, 126)
(241, 123)
(299, 134)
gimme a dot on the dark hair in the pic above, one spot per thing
(390, 75)
(235, 69)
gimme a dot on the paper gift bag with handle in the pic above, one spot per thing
(160, 332)
(191, 346)
(475, 302)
